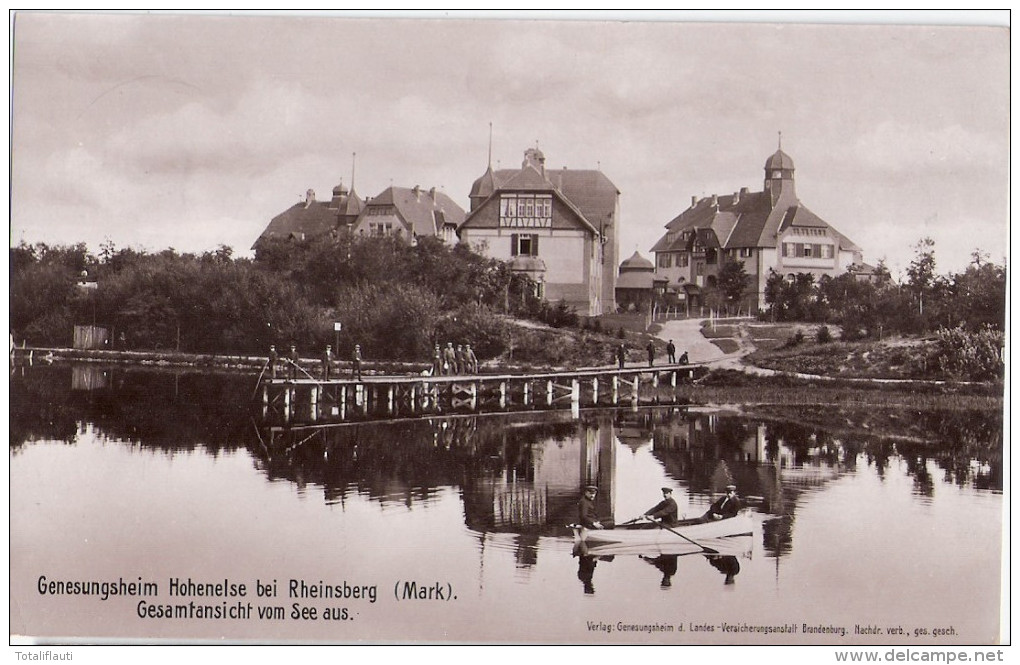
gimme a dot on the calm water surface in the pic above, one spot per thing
(883, 518)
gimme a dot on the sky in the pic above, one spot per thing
(192, 131)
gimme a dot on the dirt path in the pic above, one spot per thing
(686, 335)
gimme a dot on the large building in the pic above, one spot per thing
(559, 227)
(312, 219)
(767, 231)
(406, 212)
(410, 213)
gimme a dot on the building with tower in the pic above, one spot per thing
(313, 219)
(560, 227)
(770, 230)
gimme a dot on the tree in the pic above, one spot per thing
(733, 281)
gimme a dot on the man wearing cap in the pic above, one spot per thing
(666, 510)
(272, 361)
(726, 506)
(293, 358)
(586, 512)
(356, 362)
(327, 362)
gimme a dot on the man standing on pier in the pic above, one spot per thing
(449, 359)
(293, 359)
(621, 355)
(651, 352)
(356, 362)
(437, 361)
(271, 363)
(327, 362)
(671, 352)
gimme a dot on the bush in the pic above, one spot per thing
(969, 356)
(823, 336)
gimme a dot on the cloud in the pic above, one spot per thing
(899, 147)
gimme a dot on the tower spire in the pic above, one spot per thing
(354, 157)
(780, 140)
(490, 144)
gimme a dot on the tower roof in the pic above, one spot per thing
(779, 160)
(636, 262)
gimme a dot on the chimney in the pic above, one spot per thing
(736, 198)
(309, 197)
(534, 158)
(694, 201)
(715, 201)
(432, 193)
(417, 193)
(743, 191)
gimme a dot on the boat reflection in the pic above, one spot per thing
(666, 565)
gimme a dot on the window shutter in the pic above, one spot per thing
(534, 244)
(513, 244)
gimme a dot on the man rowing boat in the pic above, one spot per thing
(666, 510)
(586, 512)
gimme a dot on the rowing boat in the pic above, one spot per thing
(690, 535)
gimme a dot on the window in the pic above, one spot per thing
(665, 260)
(683, 260)
(826, 251)
(746, 252)
(524, 244)
(806, 250)
(711, 256)
(525, 210)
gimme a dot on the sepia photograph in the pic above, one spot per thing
(564, 329)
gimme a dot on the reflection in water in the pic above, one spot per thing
(519, 473)
(666, 563)
(729, 566)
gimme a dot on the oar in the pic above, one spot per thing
(663, 526)
(258, 381)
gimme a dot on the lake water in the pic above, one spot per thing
(167, 487)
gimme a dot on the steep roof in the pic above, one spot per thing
(636, 263)
(351, 206)
(591, 191)
(745, 220)
(424, 211)
(779, 160)
(588, 192)
(635, 280)
(302, 220)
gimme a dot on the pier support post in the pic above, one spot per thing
(595, 390)
(672, 379)
(549, 393)
(634, 388)
(389, 400)
(616, 390)
(527, 389)
(502, 394)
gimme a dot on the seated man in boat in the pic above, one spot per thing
(666, 510)
(727, 505)
(586, 513)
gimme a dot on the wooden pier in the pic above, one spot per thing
(386, 396)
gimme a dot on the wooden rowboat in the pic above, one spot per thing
(722, 536)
